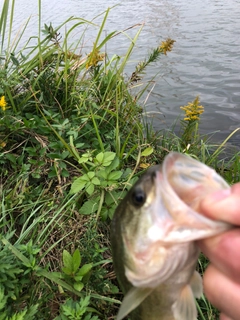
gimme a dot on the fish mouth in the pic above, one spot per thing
(185, 182)
(190, 179)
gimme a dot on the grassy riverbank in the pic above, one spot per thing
(73, 138)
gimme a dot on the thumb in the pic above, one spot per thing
(223, 205)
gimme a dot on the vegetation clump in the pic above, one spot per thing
(72, 142)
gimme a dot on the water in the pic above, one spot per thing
(205, 60)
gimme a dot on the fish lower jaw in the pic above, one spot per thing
(159, 262)
(141, 281)
(147, 274)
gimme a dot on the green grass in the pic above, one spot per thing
(73, 139)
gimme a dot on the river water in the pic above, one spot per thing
(205, 60)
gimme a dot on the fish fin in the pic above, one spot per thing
(185, 306)
(132, 300)
(196, 285)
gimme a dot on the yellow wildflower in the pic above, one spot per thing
(144, 165)
(166, 45)
(93, 58)
(2, 144)
(193, 110)
(3, 103)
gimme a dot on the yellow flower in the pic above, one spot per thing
(193, 110)
(2, 144)
(93, 58)
(166, 45)
(3, 103)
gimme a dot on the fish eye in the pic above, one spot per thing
(138, 197)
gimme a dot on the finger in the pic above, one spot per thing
(224, 253)
(222, 292)
(224, 317)
(223, 205)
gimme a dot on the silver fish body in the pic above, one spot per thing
(153, 238)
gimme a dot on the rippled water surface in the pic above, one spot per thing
(205, 60)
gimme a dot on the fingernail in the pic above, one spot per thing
(215, 204)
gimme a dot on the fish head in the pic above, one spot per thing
(142, 203)
(160, 219)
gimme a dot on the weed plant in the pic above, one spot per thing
(72, 142)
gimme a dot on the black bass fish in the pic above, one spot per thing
(153, 236)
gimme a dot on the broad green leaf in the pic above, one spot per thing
(65, 154)
(11, 157)
(87, 177)
(103, 174)
(78, 286)
(104, 183)
(67, 260)
(52, 173)
(64, 173)
(104, 214)
(108, 158)
(77, 278)
(76, 260)
(90, 175)
(114, 164)
(85, 269)
(89, 206)
(82, 160)
(147, 152)
(111, 198)
(67, 271)
(99, 157)
(53, 155)
(127, 173)
(90, 188)
(62, 165)
(115, 175)
(85, 157)
(105, 158)
(77, 185)
(96, 181)
(107, 213)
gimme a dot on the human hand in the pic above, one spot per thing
(222, 278)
